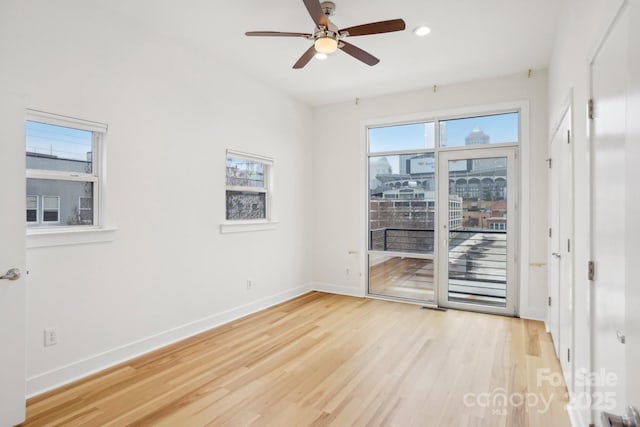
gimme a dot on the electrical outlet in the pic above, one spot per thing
(347, 272)
(249, 284)
(50, 337)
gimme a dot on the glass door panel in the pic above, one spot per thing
(402, 211)
(477, 254)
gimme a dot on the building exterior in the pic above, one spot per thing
(57, 202)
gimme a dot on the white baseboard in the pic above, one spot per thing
(540, 315)
(58, 377)
(575, 417)
(337, 289)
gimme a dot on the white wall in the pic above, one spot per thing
(582, 27)
(339, 168)
(171, 112)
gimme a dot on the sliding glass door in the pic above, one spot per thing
(477, 200)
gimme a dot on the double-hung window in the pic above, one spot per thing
(63, 171)
(249, 192)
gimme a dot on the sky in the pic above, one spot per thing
(500, 127)
(66, 143)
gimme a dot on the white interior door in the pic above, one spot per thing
(609, 234)
(565, 239)
(12, 256)
(560, 258)
(633, 211)
(632, 155)
(553, 310)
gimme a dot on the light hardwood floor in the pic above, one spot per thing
(329, 360)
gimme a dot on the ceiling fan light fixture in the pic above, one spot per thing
(326, 45)
(422, 31)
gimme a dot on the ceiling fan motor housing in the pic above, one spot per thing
(328, 7)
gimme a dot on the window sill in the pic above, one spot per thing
(245, 226)
(44, 238)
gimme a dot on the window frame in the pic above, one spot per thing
(57, 209)
(244, 225)
(37, 209)
(96, 177)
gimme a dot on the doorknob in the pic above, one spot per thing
(630, 419)
(12, 274)
(556, 254)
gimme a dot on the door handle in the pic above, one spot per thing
(556, 255)
(630, 419)
(12, 274)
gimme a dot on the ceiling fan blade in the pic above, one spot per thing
(375, 28)
(315, 10)
(358, 53)
(305, 58)
(277, 34)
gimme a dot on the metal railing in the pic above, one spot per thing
(478, 255)
(416, 240)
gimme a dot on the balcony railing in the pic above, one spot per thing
(413, 240)
(478, 266)
(477, 259)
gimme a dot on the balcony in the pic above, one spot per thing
(477, 265)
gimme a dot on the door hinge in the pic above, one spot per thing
(568, 355)
(549, 231)
(568, 136)
(590, 109)
(568, 245)
(549, 301)
(591, 270)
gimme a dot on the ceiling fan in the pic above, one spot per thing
(327, 38)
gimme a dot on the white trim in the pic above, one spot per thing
(72, 235)
(540, 315)
(46, 381)
(60, 175)
(64, 121)
(249, 156)
(244, 226)
(338, 289)
(575, 415)
(417, 255)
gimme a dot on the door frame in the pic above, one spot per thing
(561, 275)
(513, 227)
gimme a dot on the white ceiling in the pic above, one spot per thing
(470, 40)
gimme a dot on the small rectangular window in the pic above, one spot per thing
(247, 186)
(85, 207)
(50, 209)
(32, 209)
(63, 169)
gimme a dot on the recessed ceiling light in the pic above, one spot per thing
(321, 56)
(422, 31)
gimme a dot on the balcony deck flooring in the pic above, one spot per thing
(412, 278)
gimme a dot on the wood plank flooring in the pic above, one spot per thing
(328, 360)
